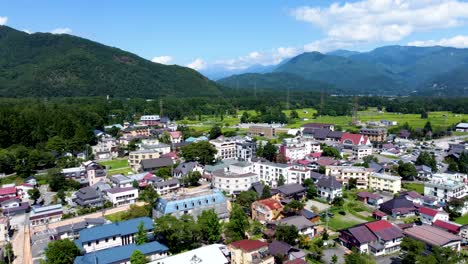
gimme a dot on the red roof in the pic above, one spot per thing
(7, 191)
(296, 261)
(379, 213)
(428, 211)
(304, 162)
(316, 154)
(326, 161)
(271, 203)
(172, 155)
(355, 138)
(379, 225)
(453, 228)
(249, 245)
(176, 134)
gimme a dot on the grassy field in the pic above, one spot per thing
(462, 220)
(115, 217)
(437, 119)
(115, 164)
(123, 171)
(340, 222)
(417, 187)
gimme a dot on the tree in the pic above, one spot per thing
(165, 138)
(427, 159)
(338, 201)
(202, 151)
(269, 151)
(178, 234)
(9, 254)
(352, 183)
(61, 195)
(294, 206)
(329, 151)
(149, 195)
(34, 194)
(57, 180)
(238, 224)
(135, 184)
(334, 259)
(164, 172)
(210, 226)
(192, 178)
(260, 149)
(463, 162)
(281, 158)
(246, 198)
(138, 257)
(215, 132)
(424, 115)
(266, 192)
(325, 235)
(407, 170)
(245, 117)
(412, 248)
(358, 258)
(141, 236)
(427, 127)
(281, 180)
(62, 251)
(287, 233)
(311, 191)
(293, 114)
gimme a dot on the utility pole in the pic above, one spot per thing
(355, 111)
(287, 100)
(255, 89)
(322, 101)
(161, 107)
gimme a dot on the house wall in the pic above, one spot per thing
(121, 198)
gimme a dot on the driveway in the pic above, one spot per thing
(339, 251)
(321, 206)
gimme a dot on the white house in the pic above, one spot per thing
(429, 215)
(329, 188)
(120, 196)
(303, 226)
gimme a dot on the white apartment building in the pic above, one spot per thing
(296, 148)
(106, 148)
(226, 148)
(120, 196)
(362, 151)
(344, 173)
(384, 182)
(445, 190)
(269, 172)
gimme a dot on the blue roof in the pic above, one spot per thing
(120, 254)
(114, 229)
(167, 206)
(190, 139)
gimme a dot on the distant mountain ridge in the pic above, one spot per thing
(48, 65)
(390, 70)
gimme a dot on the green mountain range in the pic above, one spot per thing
(48, 65)
(390, 70)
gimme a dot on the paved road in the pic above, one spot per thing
(82, 217)
(22, 244)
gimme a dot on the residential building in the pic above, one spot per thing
(185, 167)
(319, 126)
(250, 252)
(106, 148)
(166, 187)
(136, 157)
(41, 215)
(155, 164)
(150, 120)
(296, 149)
(370, 198)
(349, 140)
(329, 188)
(95, 172)
(192, 203)
(210, 254)
(462, 127)
(385, 182)
(451, 227)
(4, 229)
(8, 192)
(266, 210)
(153, 251)
(270, 172)
(246, 149)
(424, 172)
(233, 182)
(267, 130)
(23, 191)
(89, 197)
(445, 190)
(226, 148)
(297, 174)
(360, 152)
(112, 235)
(291, 191)
(344, 173)
(121, 196)
(429, 215)
(77, 173)
(376, 238)
(302, 224)
(374, 134)
(433, 236)
(72, 231)
(121, 181)
(398, 207)
(285, 251)
(176, 137)
(9, 202)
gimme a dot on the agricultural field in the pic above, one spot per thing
(437, 119)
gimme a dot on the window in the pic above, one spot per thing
(107, 240)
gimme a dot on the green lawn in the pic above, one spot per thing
(417, 187)
(115, 164)
(123, 171)
(462, 220)
(115, 217)
(340, 222)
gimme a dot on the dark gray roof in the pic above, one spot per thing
(299, 221)
(329, 182)
(316, 176)
(396, 203)
(289, 189)
(335, 134)
(362, 234)
(87, 193)
(258, 187)
(308, 214)
(375, 166)
(279, 248)
(185, 167)
(95, 221)
(156, 163)
(75, 227)
(170, 182)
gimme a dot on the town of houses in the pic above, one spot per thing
(236, 168)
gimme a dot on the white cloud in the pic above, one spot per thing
(3, 20)
(383, 20)
(197, 64)
(459, 41)
(61, 31)
(162, 59)
(27, 31)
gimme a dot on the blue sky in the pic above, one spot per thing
(237, 34)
